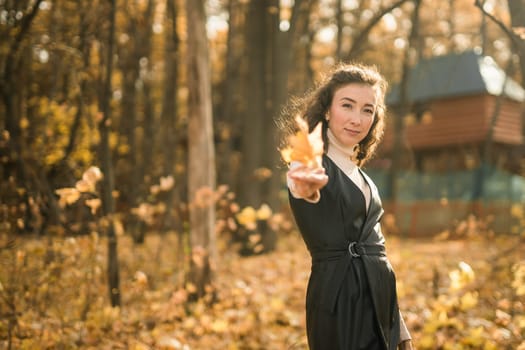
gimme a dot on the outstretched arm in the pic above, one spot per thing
(305, 182)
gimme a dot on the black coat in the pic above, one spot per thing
(351, 300)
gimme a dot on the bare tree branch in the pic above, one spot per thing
(514, 38)
(363, 34)
(15, 45)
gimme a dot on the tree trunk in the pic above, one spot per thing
(229, 118)
(108, 186)
(17, 166)
(404, 106)
(283, 53)
(517, 17)
(339, 20)
(258, 142)
(300, 76)
(256, 113)
(140, 155)
(169, 109)
(201, 167)
(277, 78)
(482, 29)
(8, 77)
(82, 85)
(143, 40)
(129, 57)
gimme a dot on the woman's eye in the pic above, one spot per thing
(369, 111)
(347, 105)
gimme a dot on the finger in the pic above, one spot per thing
(319, 171)
(309, 178)
(308, 171)
(312, 178)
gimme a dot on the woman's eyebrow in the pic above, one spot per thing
(354, 101)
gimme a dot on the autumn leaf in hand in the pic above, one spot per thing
(304, 147)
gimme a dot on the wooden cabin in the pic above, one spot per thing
(462, 107)
(455, 99)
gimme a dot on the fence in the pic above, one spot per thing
(428, 204)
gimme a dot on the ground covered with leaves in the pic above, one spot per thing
(464, 293)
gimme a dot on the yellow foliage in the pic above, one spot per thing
(474, 338)
(169, 342)
(520, 321)
(254, 239)
(145, 212)
(166, 184)
(113, 140)
(519, 278)
(277, 304)
(141, 279)
(264, 212)
(67, 196)
(426, 342)
(204, 197)
(52, 127)
(54, 157)
(24, 123)
(489, 345)
(84, 186)
(219, 326)
(262, 173)
(103, 318)
(247, 217)
(123, 149)
(462, 276)
(92, 175)
(259, 302)
(468, 301)
(516, 210)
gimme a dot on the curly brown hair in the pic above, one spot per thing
(314, 105)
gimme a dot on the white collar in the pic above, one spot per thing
(342, 155)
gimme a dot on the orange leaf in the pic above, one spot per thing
(304, 147)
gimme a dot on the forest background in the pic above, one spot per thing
(142, 199)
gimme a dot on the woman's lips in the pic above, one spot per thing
(352, 132)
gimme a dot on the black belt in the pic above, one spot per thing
(343, 257)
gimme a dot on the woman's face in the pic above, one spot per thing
(351, 113)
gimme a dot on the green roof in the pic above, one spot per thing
(454, 75)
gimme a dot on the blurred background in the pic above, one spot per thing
(153, 123)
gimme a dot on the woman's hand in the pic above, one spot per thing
(305, 181)
(406, 345)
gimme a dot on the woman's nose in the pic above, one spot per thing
(355, 119)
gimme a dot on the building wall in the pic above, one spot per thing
(509, 125)
(450, 134)
(465, 120)
(449, 122)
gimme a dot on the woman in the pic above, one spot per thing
(351, 301)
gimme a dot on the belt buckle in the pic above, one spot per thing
(352, 251)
